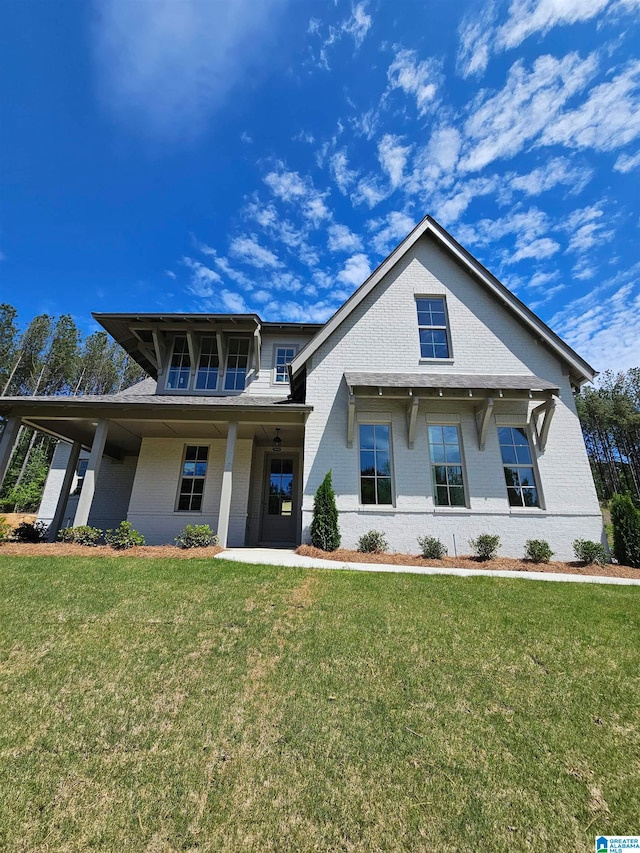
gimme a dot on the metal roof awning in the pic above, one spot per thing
(450, 382)
(477, 388)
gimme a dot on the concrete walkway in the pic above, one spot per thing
(285, 557)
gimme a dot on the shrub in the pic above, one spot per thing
(124, 536)
(485, 547)
(625, 519)
(373, 542)
(5, 529)
(325, 533)
(81, 535)
(432, 548)
(537, 550)
(196, 536)
(590, 552)
(30, 533)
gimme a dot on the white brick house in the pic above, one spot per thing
(441, 403)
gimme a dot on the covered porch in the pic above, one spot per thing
(246, 481)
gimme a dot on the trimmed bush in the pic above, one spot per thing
(485, 547)
(30, 533)
(590, 552)
(5, 529)
(537, 550)
(373, 542)
(81, 535)
(625, 519)
(325, 533)
(196, 536)
(432, 548)
(124, 536)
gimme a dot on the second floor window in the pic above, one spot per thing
(237, 363)
(432, 327)
(284, 357)
(180, 367)
(207, 375)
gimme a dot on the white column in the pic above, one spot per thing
(93, 466)
(7, 444)
(227, 485)
(63, 497)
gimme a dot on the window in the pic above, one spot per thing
(284, 357)
(194, 470)
(518, 467)
(446, 466)
(237, 361)
(375, 464)
(207, 375)
(281, 487)
(432, 327)
(81, 471)
(180, 367)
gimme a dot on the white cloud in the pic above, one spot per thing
(544, 247)
(448, 206)
(365, 124)
(435, 164)
(527, 17)
(528, 104)
(369, 191)
(390, 230)
(202, 279)
(234, 302)
(419, 79)
(248, 250)
(344, 176)
(357, 25)
(393, 157)
(557, 171)
(168, 273)
(165, 67)
(587, 228)
(549, 293)
(475, 42)
(608, 119)
(603, 325)
(626, 162)
(356, 270)
(541, 279)
(290, 187)
(341, 239)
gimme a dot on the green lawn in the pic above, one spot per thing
(159, 705)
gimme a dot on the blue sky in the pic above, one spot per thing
(266, 155)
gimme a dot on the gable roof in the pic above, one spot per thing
(580, 370)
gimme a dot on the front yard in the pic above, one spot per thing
(195, 704)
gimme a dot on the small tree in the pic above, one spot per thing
(625, 519)
(325, 533)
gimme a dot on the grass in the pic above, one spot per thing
(196, 705)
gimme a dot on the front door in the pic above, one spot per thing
(279, 509)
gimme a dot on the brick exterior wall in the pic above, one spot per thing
(381, 334)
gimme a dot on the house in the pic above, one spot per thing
(441, 403)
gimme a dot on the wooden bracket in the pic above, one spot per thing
(412, 417)
(542, 432)
(483, 416)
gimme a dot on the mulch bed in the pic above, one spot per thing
(64, 549)
(555, 566)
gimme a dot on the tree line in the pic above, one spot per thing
(51, 356)
(610, 418)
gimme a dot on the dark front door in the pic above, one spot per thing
(279, 514)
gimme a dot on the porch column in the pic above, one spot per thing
(227, 484)
(63, 497)
(93, 466)
(7, 445)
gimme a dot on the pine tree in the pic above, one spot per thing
(325, 533)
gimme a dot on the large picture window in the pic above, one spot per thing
(432, 327)
(180, 367)
(207, 376)
(375, 464)
(446, 466)
(194, 471)
(237, 362)
(518, 467)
